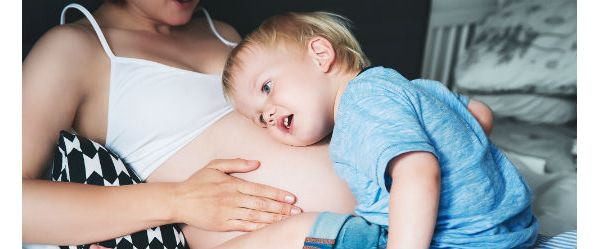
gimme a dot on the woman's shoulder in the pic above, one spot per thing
(224, 29)
(68, 43)
(69, 50)
(75, 36)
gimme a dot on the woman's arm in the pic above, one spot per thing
(69, 213)
(54, 87)
(210, 199)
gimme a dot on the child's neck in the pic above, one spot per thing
(342, 81)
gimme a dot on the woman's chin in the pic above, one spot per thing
(178, 20)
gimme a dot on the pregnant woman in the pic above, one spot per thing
(142, 78)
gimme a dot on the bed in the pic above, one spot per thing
(518, 57)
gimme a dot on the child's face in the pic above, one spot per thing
(286, 93)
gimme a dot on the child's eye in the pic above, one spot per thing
(266, 88)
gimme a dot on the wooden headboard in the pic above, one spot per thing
(451, 25)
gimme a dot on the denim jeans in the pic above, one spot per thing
(343, 231)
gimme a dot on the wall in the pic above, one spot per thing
(392, 32)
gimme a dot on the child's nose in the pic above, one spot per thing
(271, 119)
(270, 116)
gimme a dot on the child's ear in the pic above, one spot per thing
(321, 53)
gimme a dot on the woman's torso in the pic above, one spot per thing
(307, 171)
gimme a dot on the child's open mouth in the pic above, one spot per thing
(287, 121)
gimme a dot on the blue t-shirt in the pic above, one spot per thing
(484, 201)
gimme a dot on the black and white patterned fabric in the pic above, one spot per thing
(78, 159)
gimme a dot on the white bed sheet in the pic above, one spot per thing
(542, 153)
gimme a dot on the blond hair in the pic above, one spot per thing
(299, 28)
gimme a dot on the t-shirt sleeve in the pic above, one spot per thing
(383, 126)
(440, 90)
(463, 99)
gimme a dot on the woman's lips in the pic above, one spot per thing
(185, 3)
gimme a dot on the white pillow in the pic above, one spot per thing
(531, 108)
(526, 46)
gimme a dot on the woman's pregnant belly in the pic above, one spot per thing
(304, 171)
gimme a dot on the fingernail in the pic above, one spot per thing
(296, 211)
(289, 199)
(252, 162)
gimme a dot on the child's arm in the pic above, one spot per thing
(483, 114)
(414, 198)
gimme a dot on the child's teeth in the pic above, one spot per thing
(286, 122)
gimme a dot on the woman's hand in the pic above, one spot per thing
(213, 200)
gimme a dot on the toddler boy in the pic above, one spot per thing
(418, 162)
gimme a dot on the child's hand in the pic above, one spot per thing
(483, 114)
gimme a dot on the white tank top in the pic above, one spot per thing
(155, 109)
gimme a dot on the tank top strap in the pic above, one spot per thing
(214, 30)
(95, 25)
